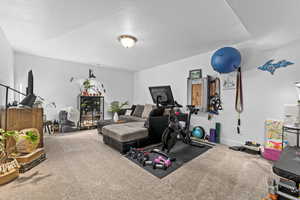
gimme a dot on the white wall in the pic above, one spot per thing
(6, 66)
(52, 80)
(264, 94)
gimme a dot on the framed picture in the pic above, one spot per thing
(195, 74)
(229, 81)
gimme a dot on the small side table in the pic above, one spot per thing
(290, 129)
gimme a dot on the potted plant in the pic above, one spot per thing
(116, 107)
(28, 140)
(87, 85)
(9, 167)
(84, 107)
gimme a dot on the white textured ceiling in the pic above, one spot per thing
(167, 30)
(271, 23)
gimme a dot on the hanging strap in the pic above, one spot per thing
(239, 104)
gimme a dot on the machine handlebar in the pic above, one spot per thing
(193, 109)
(178, 105)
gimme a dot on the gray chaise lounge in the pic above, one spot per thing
(124, 136)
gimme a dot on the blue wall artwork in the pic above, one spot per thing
(271, 67)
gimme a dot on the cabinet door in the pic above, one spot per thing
(197, 93)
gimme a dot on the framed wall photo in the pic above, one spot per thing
(229, 81)
(195, 74)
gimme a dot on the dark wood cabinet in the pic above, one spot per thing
(91, 111)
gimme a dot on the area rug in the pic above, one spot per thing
(181, 151)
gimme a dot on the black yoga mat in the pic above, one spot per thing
(181, 151)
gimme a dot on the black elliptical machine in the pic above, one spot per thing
(163, 98)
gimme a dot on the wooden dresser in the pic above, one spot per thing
(21, 118)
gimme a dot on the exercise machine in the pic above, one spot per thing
(287, 185)
(163, 98)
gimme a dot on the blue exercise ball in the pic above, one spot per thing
(198, 132)
(226, 60)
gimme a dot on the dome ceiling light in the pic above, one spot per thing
(127, 41)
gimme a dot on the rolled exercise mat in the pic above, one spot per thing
(212, 135)
(218, 132)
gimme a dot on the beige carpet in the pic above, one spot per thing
(81, 167)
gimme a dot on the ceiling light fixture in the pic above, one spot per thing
(127, 41)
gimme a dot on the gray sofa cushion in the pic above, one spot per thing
(128, 118)
(126, 132)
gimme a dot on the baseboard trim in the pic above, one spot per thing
(231, 142)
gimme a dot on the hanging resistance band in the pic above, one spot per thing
(239, 105)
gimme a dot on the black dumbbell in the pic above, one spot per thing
(147, 163)
(159, 166)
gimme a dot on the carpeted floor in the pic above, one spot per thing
(81, 167)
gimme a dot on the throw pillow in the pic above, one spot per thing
(138, 111)
(132, 109)
(128, 112)
(148, 108)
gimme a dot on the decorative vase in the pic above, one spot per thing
(116, 117)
